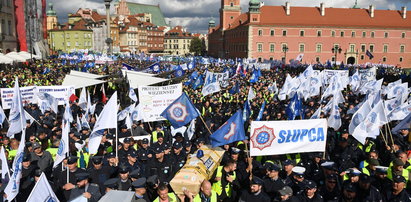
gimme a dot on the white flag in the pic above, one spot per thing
(334, 120)
(84, 122)
(4, 165)
(371, 86)
(2, 115)
(29, 117)
(67, 113)
(181, 130)
(64, 143)
(191, 129)
(129, 122)
(400, 113)
(359, 116)
(316, 114)
(400, 90)
(42, 191)
(135, 113)
(376, 118)
(284, 90)
(16, 118)
(47, 101)
(355, 81)
(132, 95)
(251, 94)
(123, 114)
(92, 108)
(82, 101)
(211, 88)
(107, 119)
(78, 124)
(273, 88)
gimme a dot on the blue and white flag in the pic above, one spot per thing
(334, 120)
(82, 101)
(260, 114)
(273, 88)
(179, 72)
(295, 108)
(198, 82)
(231, 131)
(2, 116)
(359, 116)
(47, 101)
(211, 88)
(400, 113)
(284, 90)
(376, 118)
(132, 95)
(400, 90)
(405, 123)
(42, 191)
(135, 113)
(154, 67)
(127, 67)
(84, 122)
(123, 114)
(5, 171)
(78, 124)
(64, 144)
(180, 112)
(246, 111)
(251, 94)
(67, 113)
(317, 113)
(355, 81)
(254, 78)
(17, 119)
(107, 119)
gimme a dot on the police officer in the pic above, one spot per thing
(160, 166)
(287, 173)
(272, 181)
(125, 150)
(298, 180)
(131, 162)
(144, 150)
(85, 189)
(398, 192)
(140, 191)
(124, 132)
(111, 184)
(124, 183)
(366, 191)
(310, 193)
(286, 194)
(256, 192)
(178, 154)
(331, 189)
(380, 181)
(68, 185)
(99, 173)
(27, 177)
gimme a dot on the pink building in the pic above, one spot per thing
(284, 32)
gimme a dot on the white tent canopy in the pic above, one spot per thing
(80, 82)
(28, 55)
(16, 57)
(86, 75)
(136, 79)
(5, 60)
(138, 73)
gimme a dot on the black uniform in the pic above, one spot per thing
(91, 188)
(100, 176)
(401, 197)
(162, 169)
(72, 179)
(247, 196)
(272, 186)
(303, 198)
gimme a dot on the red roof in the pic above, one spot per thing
(78, 25)
(334, 17)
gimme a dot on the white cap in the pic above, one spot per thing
(298, 170)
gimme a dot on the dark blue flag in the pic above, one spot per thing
(179, 72)
(404, 124)
(180, 112)
(128, 67)
(369, 54)
(231, 131)
(235, 89)
(295, 108)
(260, 114)
(198, 82)
(247, 111)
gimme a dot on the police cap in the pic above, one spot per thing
(97, 159)
(72, 159)
(111, 183)
(81, 176)
(139, 183)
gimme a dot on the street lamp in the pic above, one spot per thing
(109, 41)
(335, 50)
(285, 50)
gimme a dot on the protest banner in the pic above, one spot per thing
(155, 99)
(285, 137)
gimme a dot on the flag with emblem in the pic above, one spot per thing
(16, 119)
(2, 115)
(231, 131)
(42, 191)
(132, 95)
(180, 112)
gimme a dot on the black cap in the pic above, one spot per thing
(144, 141)
(365, 178)
(350, 187)
(399, 179)
(309, 184)
(123, 127)
(72, 159)
(152, 180)
(81, 176)
(111, 155)
(123, 170)
(257, 180)
(26, 157)
(187, 143)
(158, 150)
(127, 140)
(272, 167)
(111, 183)
(37, 172)
(160, 135)
(288, 162)
(135, 173)
(133, 154)
(177, 135)
(139, 183)
(333, 177)
(36, 145)
(97, 159)
(177, 145)
(235, 150)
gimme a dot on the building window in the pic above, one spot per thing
(364, 34)
(371, 48)
(384, 59)
(363, 48)
(260, 59)
(372, 34)
(362, 57)
(272, 32)
(317, 59)
(76, 43)
(353, 34)
(68, 43)
(385, 49)
(319, 33)
(260, 32)
(342, 33)
(403, 35)
(302, 48)
(333, 33)
(272, 48)
(260, 47)
(85, 36)
(402, 48)
(68, 36)
(271, 58)
(400, 59)
(284, 32)
(386, 35)
(232, 17)
(231, 4)
(302, 33)
(352, 48)
(284, 46)
(76, 36)
(319, 48)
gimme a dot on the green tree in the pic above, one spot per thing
(196, 46)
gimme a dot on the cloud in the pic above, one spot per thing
(195, 14)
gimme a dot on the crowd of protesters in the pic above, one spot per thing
(346, 171)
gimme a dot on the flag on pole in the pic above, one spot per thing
(47, 101)
(231, 131)
(246, 111)
(295, 108)
(355, 81)
(359, 116)
(376, 118)
(251, 94)
(42, 191)
(103, 94)
(180, 112)
(260, 114)
(82, 102)
(107, 119)
(132, 95)
(84, 122)
(16, 118)
(369, 54)
(2, 115)
(334, 120)
(78, 124)
(5, 171)
(64, 143)
(191, 129)
(317, 113)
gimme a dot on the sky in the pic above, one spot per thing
(195, 14)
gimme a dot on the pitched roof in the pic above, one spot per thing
(78, 25)
(334, 17)
(178, 31)
(155, 11)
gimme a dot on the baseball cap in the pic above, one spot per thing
(36, 145)
(285, 191)
(177, 145)
(133, 154)
(81, 176)
(309, 184)
(288, 162)
(145, 141)
(111, 183)
(127, 140)
(158, 150)
(97, 159)
(350, 187)
(399, 179)
(72, 159)
(257, 180)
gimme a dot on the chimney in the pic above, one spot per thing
(404, 12)
(287, 8)
(371, 10)
(322, 9)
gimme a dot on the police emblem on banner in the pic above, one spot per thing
(61, 148)
(231, 132)
(262, 137)
(51, 199)
(178, 112)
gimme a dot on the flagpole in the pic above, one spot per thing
(116, 143)
(382, 134)
(201, 117)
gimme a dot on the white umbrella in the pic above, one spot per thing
(5, 60)
(16, 57)
(28, 55)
